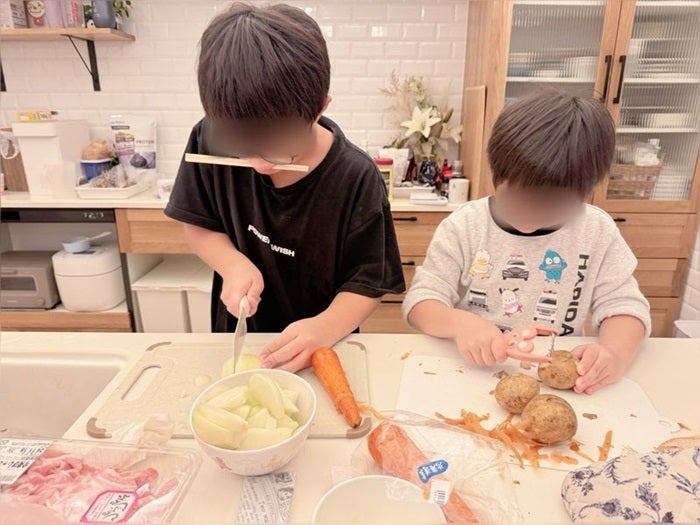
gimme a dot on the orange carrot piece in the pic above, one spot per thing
(330, 372)
(604, 450)
(364, 407)
(398, 455)
(575, 447)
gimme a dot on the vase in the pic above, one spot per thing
(103, 13)
(428, 171)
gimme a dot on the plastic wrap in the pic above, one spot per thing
(463, 472)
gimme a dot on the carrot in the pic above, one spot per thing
(398, 455)
(330, 372)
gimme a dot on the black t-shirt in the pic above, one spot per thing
(329, 232)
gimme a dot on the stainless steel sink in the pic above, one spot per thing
(42, 394)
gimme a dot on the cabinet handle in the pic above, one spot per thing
(623, 61)
(408, 263)
(406, 219)
(608, 67)
(620, 219)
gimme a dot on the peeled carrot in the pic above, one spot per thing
(398, 455)
(330, 372)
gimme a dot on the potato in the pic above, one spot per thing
(549, 419)
(514, 391)
(561, 372)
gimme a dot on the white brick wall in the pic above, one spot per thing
(155, 75)
(691, 298)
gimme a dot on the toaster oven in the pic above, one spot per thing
(27, 280)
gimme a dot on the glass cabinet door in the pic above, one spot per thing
(659, 107)
(555, 43)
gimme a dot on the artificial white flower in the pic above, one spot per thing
(421, 122)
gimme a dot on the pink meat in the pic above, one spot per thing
(65, 483)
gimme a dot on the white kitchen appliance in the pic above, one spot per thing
(90, 281)
(51, 152)
(27, 280)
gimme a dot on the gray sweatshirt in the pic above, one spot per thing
(554, 279)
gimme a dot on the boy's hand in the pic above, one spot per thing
(480, 342)
(597, 367)
(242, 279)
(291, 350)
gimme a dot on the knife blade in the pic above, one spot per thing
(241, 330)
(551, 347)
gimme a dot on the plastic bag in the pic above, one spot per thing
(135, 141)
(465, 473)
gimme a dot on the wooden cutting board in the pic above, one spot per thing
(169, 376)
(448, 385)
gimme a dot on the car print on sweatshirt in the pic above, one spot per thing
(516, 268)
(546, 307)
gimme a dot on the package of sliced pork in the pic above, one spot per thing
(70, 481)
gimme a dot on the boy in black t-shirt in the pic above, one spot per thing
(312, 252)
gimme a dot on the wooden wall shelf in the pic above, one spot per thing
(89, 35)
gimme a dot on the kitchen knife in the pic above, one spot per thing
(241, 330)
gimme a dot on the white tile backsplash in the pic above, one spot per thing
(156, 74)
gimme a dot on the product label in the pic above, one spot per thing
(428, 470)
(266, 499)
(110, 506)
(17, 455)
(440, 490)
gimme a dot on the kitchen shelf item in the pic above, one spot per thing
(85, 191)
(88, 35)
(628, 181)
(90, 280)
(184, 370)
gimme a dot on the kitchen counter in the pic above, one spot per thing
(146, 200)
(665, 368)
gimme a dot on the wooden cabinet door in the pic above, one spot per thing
(386, 319)
(415, 231)
(409, 265)
(149, 231)
(664, 311)
(658, 235)
(661, 277)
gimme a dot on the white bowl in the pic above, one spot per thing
(376, 500)
(268, 459)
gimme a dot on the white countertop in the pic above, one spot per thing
(146, 200)
(665, 368)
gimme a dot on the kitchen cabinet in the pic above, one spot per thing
(59, 319)
(640, 58)
(150, 231)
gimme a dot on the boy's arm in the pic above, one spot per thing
(240, 276)
(292, 349)
(621, 313)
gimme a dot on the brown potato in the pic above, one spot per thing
(561, 372)
(549, 419)
(513, 392)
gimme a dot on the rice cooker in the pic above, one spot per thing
(90, 281)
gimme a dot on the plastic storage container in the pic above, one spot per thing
(90, 281)
(49, 143)
(199, 300)
(108, 482)
(160, 294)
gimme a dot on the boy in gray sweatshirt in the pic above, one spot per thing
(535, 252)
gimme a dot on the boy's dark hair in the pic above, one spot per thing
(263, 63)
(551, 139)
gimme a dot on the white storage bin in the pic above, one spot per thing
(50, 143)
(199, 300)
(162, 303)
(687, 329)
(90, 281)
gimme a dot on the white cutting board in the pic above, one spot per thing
(448, 385)
(179, 372)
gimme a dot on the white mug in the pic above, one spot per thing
(458, 191)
